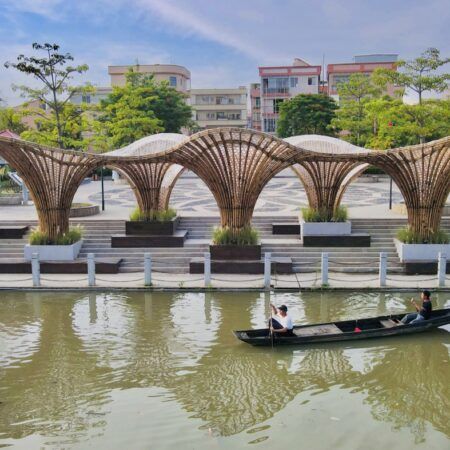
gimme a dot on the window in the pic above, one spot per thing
(211, 116)
(312, 81)
(173, 81)
(269, 125)
(258, 102)
(276, 104)
(276, 85)
(294, 81)
(86, 99)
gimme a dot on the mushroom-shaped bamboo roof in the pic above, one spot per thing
(150, 144)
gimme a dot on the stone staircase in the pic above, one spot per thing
(176, 260)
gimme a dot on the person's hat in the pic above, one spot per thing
(283, 308)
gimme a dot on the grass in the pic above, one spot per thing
(153, 216)
(324, 215)
(81, 205)
(37, 237)
(408, 236)
(245, 236)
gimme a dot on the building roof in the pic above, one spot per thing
(9, 134)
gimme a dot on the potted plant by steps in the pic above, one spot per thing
(162, 222)
(64, 248)
(235, 244)
(412, 247)
(322, 222)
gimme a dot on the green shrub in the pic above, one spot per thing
(37, 237)
(245, 236)
(408, 236)
(372, 170)
(324, 215)
(153, 216)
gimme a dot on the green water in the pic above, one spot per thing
(163, 371)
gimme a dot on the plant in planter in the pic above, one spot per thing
(412, 246)
(153, 222)
(235, 244)
(325, 222)
(65, 247)
(325, 215)
(164, 215)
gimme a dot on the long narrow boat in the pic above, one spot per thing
(347, 330)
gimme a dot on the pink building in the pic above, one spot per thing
(281, 83)
(365, 64)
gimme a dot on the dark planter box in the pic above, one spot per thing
(110, 265)
(344, 240)
(143, 241)
(13, 232)
(285, 228)
(151, 228)
(223, 252)
(423, 267)
(279, 265)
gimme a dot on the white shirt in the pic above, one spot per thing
(285, 321)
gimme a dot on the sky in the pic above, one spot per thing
(222, 42)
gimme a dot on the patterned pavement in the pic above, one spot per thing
(283, 194)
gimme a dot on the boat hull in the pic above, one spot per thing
(342, 330)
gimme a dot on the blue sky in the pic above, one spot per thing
(222, 42)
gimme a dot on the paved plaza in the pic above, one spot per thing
(283, 195)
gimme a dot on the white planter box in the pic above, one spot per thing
(325, 228)
(420, 252)
(53, 252)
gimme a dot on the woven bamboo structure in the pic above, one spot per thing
(52, 176)
(422, 173)
(326, 181)
(235, 164)
(152, 182)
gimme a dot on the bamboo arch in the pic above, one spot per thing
(235, 164)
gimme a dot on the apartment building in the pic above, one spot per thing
(365, 64)
(214, 108)
(283, 82)
(178, 77)
(254, 121)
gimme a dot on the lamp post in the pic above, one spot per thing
(103, 189)
(390, 193)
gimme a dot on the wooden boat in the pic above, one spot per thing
(375, 327)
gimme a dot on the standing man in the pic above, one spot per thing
(423, 312)
(281, 322)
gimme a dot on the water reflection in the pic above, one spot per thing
(63, 357)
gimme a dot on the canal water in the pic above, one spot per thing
(163, 371)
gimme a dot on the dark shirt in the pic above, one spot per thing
(426, 309)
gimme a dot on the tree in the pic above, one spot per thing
(11, 120)
(306, 114)
(352, 116)
(402, 124)
(74, 126)
(419, 74)
(53, 72)
(140, 108)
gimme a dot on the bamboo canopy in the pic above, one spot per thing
(235, 164)
(326, 181)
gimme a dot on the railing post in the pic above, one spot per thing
(207, 269)
(91, 269)
(267, 270)
(147, 269)
(324, 268)
(36, 269)
(383, 269)
(442, 268)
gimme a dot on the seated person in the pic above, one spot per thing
(281, 322)
(423, 312)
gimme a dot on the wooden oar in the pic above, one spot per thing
(270, 326)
